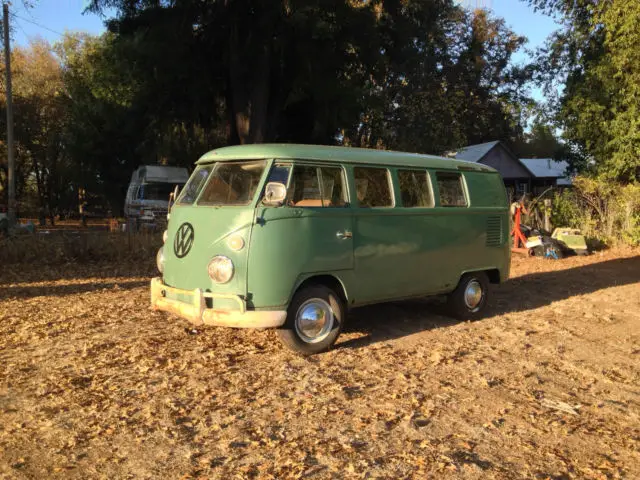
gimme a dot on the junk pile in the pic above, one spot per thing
(563, 241)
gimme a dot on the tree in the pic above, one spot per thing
(450, 84)
(274, 70)
(397, 73)
(39, 117)
(540, 142)
(596, 56)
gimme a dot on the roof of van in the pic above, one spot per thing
(160, 173)
(329, 153)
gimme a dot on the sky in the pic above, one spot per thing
(521, 18)
(50, 18)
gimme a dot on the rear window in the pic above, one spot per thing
(232, 183)
(415, 188)
(373, 187)
(451, 190)
(194, 186)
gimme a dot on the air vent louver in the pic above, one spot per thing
(494, 231)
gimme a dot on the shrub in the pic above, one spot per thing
(604, 210)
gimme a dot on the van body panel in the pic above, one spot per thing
(288, 243)
(212, 226)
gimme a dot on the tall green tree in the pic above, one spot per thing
(415, 74)
(595, 54)
(274, 70)
(452, 83)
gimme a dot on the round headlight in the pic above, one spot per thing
(220, 269)
(160, 260)
(165, 234)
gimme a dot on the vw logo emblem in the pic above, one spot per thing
(184, 240)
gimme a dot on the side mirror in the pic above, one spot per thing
(274, 194)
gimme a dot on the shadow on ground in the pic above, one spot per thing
(24, 292)
(387, 321)
(17, 274)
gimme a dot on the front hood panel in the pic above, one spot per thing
(197, 234)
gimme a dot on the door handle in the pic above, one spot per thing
(344, 235)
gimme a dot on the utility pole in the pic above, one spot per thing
(11, 211)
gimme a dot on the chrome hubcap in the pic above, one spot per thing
(314, 320)
(473, 294)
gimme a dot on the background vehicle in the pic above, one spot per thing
(147, 198)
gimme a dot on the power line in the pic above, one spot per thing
(37, 24)
(21, 29)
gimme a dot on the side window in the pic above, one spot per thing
(415, 188)
(317, 187)
(451, 190)
(304, 189)
(332, 182)
(373, 187)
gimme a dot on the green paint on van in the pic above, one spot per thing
(369, 254)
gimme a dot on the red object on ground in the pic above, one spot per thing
(518, 236)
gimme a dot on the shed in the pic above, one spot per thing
(548, 171)
(520, 176)
(516, 176)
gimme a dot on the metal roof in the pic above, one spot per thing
(474, 153)
(547, 168)
(336, 154)
(160, 173)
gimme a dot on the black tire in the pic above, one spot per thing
(458, 307)
(294, 339)
(538, 251)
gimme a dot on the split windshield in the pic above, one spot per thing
(223, 183)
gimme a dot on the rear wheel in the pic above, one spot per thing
(469, 298)
(314, 320)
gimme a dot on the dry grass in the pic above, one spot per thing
(94, 385)
(59, 247)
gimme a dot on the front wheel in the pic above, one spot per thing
(469, 298)
(314, 320)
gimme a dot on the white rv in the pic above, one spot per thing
(147, 198)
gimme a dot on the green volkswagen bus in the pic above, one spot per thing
(292, 236)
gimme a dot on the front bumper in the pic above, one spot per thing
(198, 314)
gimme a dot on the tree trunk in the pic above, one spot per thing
(248, 88)
(39, 182)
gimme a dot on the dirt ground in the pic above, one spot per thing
(94, 385)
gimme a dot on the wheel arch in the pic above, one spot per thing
(329, 280)
(493, 274)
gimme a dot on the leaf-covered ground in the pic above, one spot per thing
(94, 385)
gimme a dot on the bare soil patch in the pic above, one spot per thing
(94, 385)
